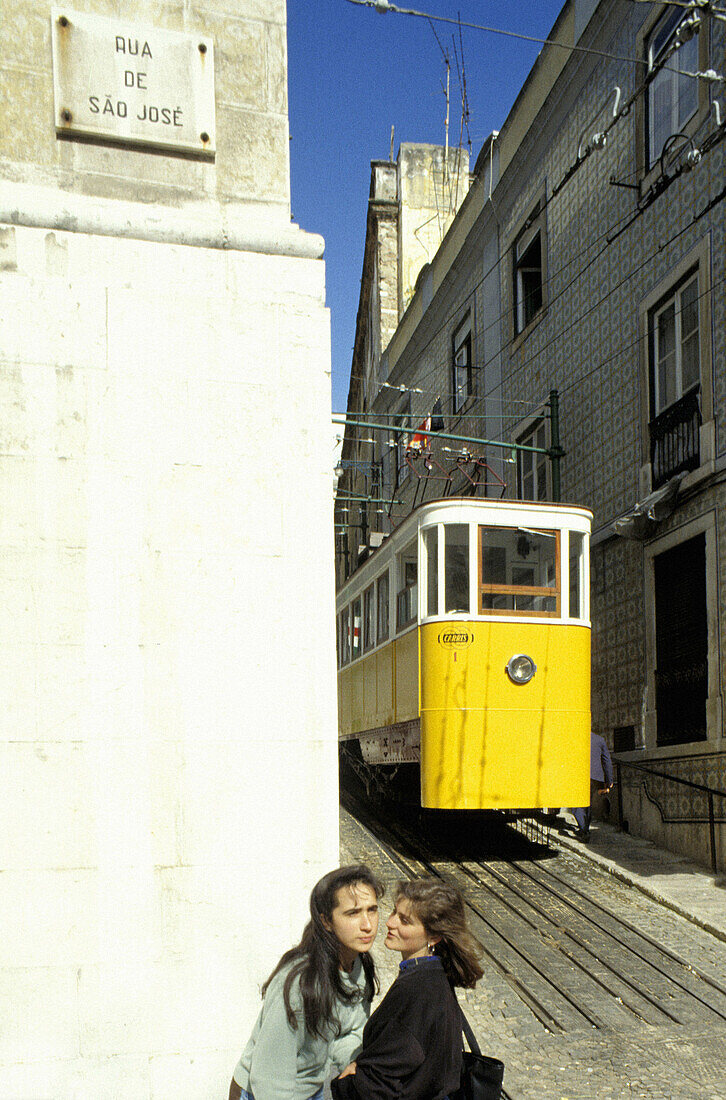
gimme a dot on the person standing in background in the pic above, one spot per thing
(601, 781)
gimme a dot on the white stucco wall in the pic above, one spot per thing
(168, 744)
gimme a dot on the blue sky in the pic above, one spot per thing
(353, 74)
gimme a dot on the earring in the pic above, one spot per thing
(431, 948)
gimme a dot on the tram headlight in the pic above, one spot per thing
(520, 668)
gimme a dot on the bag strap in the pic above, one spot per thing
(470, 1036)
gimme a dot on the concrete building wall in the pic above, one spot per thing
(250, 61)
(432, 184)
(169, 739)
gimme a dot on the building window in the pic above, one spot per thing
(672, 97)
(681, 643)
(528, 257)
(463, 372)
(674, 335)
(675, 370)
(533, 468)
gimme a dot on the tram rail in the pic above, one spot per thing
(573, 962)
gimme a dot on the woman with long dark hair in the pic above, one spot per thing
(412, 1043)
(317, 999)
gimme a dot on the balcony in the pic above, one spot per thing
(674, 438)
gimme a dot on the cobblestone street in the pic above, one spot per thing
(667, 1061)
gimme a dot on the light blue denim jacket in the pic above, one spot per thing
(280, 1063)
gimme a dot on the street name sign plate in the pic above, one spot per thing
(131, 84)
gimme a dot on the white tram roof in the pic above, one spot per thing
(496, 513)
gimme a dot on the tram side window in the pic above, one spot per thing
(519, 571)
(457, 567)
(577, 565)
(345, 636)
(369, 637)
(431, 538)
(407, 595)
(382, 593)
(355, 634)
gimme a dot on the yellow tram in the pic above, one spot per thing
(464, 648)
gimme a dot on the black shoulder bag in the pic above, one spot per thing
(481, 1077)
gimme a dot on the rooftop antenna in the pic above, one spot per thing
(447, 62)
(446, 154)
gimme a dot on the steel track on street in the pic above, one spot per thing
(570, 959)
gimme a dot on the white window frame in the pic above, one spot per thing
(697, 259)
(674, 299)
(705, 524)
(686, 58)
(534, 227)
(649, 47)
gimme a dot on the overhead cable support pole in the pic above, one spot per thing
(369, 500)
(556, 452)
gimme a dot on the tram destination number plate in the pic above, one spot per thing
(130, 84)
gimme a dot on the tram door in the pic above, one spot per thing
(681, 643)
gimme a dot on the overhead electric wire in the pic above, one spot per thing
(542, 206)
(714, 139)
(500, 317)
(633, 343)
(443, 395)
(694, 5)
(634, 271)
(384, 6)
(483, 397)
(578, 381)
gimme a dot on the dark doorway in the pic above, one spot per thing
(681, 643)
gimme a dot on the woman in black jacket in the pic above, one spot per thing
(412, 1043)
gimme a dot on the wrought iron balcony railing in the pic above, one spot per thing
(674, 438)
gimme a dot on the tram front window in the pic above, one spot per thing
(519, 571)
(457, 568)
(431, 539)
(577, 565)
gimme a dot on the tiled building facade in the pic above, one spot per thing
(594, 266)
